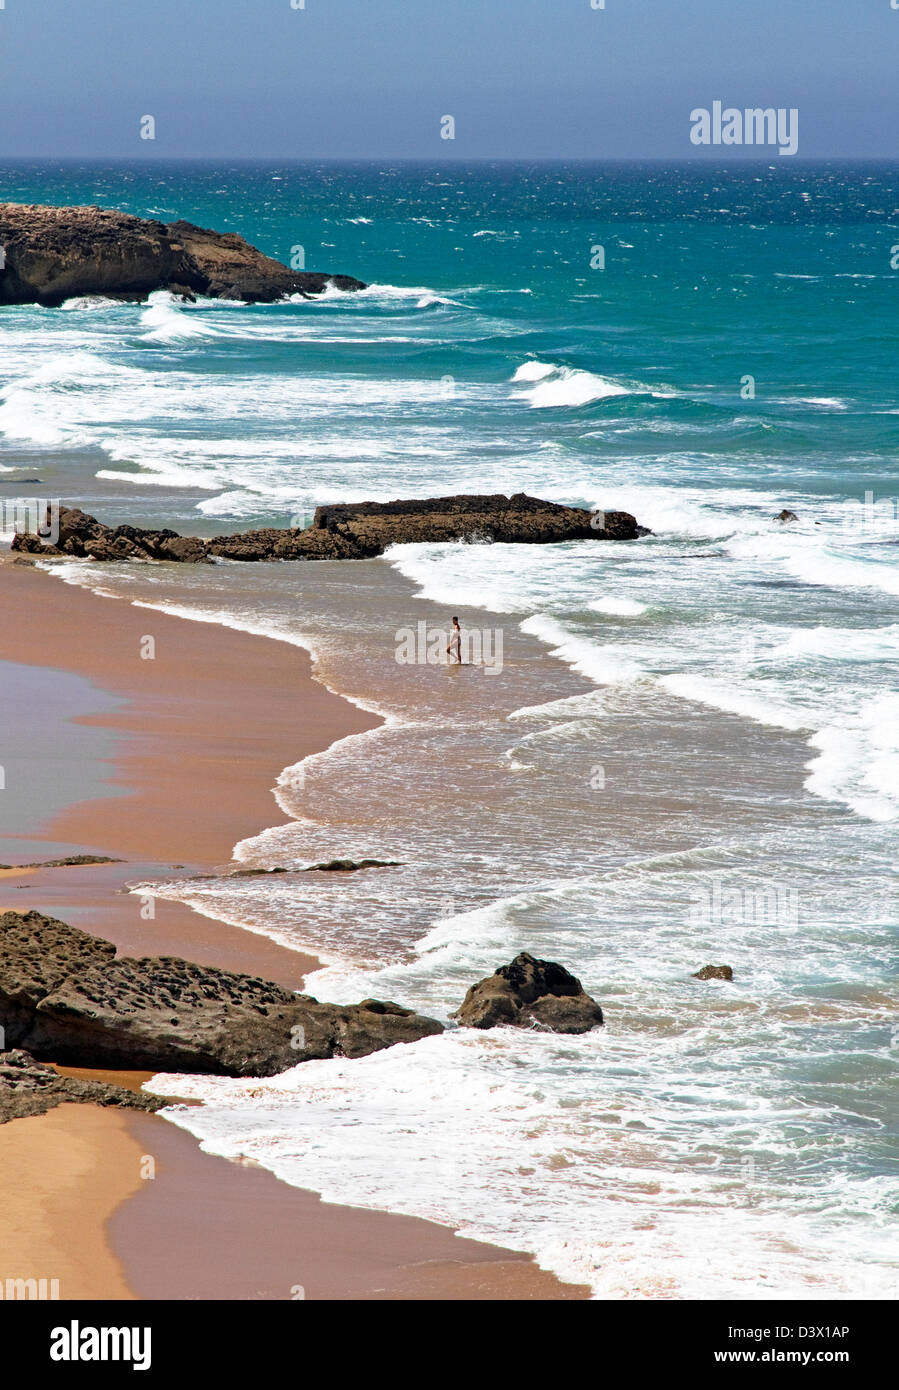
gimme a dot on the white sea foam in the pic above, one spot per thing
(820, 558)
(603, 664)
(89, 302)
(169, 321)
(858, 760)
(46, 405)
(534, 371)
(751, 704)
(566, 386)
(842, 643)
(618, 607)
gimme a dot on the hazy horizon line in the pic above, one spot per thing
(697, 160)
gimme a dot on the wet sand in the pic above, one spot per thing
(63, 1174)
(209, 723)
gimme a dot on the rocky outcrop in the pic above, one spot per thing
(51, 254)
(66, 996)
(82, 535)
(348, 866)
(333, 866)
(530, 993)
(72, 859)
(786, 516)
(714, 972)
(375, 525)
(346, 532)
(224, 266)
(28, 1087)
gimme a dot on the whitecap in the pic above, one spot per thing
(618, 607)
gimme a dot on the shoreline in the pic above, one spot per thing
(193, 769)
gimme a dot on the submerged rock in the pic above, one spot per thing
(345, 532)
(786, 516)
(28, 1087)
(56, 253)
(527, 993)
(714, 972)
(66, 996)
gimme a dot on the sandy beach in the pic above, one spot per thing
(204, 728)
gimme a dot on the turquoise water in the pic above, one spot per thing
(792, 286)
(733, 678)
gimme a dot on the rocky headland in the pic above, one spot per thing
(356, 531)
(51, 254)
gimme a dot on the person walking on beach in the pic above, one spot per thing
(455, 643)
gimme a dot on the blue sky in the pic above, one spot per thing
(372, 78)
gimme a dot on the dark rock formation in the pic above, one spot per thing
(346, 866)
(28, 1087)
(332, 866)
(56, 253)
(714, 972)
(786, 516)
(346, 532)
(63, 863)
(81, 535)
(520, 518)
(253, 873)
(227, 267)
(65, 996)
(530, 993)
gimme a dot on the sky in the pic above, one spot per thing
(366, 79)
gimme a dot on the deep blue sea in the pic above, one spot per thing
(691, 752)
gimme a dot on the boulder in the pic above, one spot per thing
(786, 516)
(28, 1087)
(714, 972)
(56, 253)
(66, 996)
(344, 532)
(530, 993)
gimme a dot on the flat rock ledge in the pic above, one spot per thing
(66, 997)
(28, 1088)
(52, 254)
(346, 532)
(530, 993)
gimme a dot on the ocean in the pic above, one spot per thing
(682, 750)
